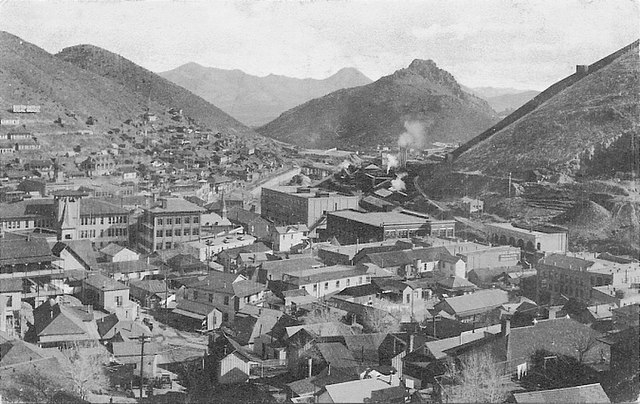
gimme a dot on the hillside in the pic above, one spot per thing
(377, 113)
(502, 100)
(31, 76)
(149, 85)
(257, 100)
(576, 126)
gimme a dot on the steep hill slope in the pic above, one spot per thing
(149, 85)
(585, 124)
(257, 100)
(31, 76)
(502, 100)
(377, 113)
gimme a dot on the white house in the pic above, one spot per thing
(286, 237)
(118, 253)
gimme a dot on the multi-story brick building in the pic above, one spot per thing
(351, 226)
(575, 276)
(289, 205)
(168, 222)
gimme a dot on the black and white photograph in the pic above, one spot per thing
(319, 201)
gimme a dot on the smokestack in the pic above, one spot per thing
(411, 342)
(505, 328)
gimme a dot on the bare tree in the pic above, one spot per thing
(476, 378)
(86, 371)
(376, 320)
(583, 343)
(31, 384)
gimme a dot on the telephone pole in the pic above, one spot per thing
(143, 338)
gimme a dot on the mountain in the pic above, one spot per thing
(421, 95)
(502, 100)
(150, 86)
(585, 124)
(31, 76)
(257, 100)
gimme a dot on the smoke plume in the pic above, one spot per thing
(398, 184)
(344, 165)
(392, 162)
(414, 134)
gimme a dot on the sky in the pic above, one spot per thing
(499, 43)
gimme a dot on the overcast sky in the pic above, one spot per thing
(500, 43)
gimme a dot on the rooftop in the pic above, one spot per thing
(589, 393)
(315, 275)
(97, 207)
(379, 218)
(510, 227)
(176, 205)
(102, 282)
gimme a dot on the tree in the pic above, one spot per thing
(476, 378)
(32, 385)
(548, 370)
(376, 320)
(583, 343)
(86, 371)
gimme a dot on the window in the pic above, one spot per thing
(187, 220)
(326, 286)
(169, 221)
(119, 301)
(226, 300)
(159, 246)
(9, 301)
(178, 233)
(167, 246)
(159, 222)
(315, 287)
(348, 282)
(225, 317)
(195, 295)
(187, 232)
(408, 298)
(178, 220)
(196, 219)
(195, 231)
(210, 297)
(168, 233)
(360, 280)
(337, 284)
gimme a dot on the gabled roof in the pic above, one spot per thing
(52, 319)
(364, 347)
(299, 228)
(153, 286)
(477, 302)
(113, 249)
(555, 335)
(329, 329)
(102, 282)
(456, 283)
(193, 309)
(588, 393)
(247, 288)
(355, 391)
(368, 289)
(80, 249)
(126, 267)
(336, 354)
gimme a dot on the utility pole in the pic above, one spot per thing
(143, 338)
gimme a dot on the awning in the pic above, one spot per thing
(189, 314)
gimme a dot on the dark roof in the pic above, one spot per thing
(565, 261)
(247, 287)
(364, 347)
(555, 335)
(80, 249)
(152, 286)
(11, 285)
(336, 354)
(367, 289)
(390, 285)
(589, 393)
(56, 320)
(97, 207)
(24, 250)
(251, 248)
(216, 282)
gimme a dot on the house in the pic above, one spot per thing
(129, 173)
(109, 294)
(322, 281)
(229, 257)
(276, 270)
(624, 347)
(470, 308)
(361, 294)
(57, 325)
(589, 393)
(199, 315)
(10, 305)
(75, 254)
(286, 238)
(562, 336)
(98, 165)
(378, 349)
(129, 352)
(152, 293)
(252, 223)
(362, 391)
(206, 249)
(118, 253)
(110, 327)
(453, 285)
(235, 364)
(126, 271)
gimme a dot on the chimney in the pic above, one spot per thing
(310, 366)
(505, 328)
(412, 338)
(329, 369)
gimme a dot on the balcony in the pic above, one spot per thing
(25, 272)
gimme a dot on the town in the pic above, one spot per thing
(194, 234)
(307, 279)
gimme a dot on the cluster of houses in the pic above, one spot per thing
(324, 296)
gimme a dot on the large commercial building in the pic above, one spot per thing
(576, 277)
(168, 222)
(529, 240)
(352, 226)
(288, 205)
